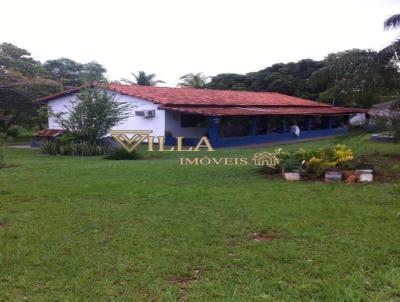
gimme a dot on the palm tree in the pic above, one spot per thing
(392, 22)
(392, 51)
(193, 80)
(141, 78)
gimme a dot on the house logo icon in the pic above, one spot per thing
(265, 159)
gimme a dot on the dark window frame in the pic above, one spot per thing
(192, 120)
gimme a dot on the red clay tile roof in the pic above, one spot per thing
(221, 102)
(233, 111)
(168, 96)
(49, 133)
(190, 96)
(61, 94)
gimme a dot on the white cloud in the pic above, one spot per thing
(175, 37)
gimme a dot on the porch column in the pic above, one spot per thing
(347, 120)
(330, 122)
(308, 122)
(213, 126)
(253, 126)
(284, 124)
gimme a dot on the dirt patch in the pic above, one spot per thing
(22, 146)
(3, 225)
(395, 157)
(350, 176)
(232, 243)
(263, 237)
(4, 166)
(182, 281)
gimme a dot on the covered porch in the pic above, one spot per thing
(272, 128)
(227, 127)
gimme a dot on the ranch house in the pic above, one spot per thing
(227, 118)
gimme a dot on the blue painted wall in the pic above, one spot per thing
(278, 137)
(218, 142)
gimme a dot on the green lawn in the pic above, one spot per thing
(88, 229)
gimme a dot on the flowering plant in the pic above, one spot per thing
(314, 160)
(329, 157)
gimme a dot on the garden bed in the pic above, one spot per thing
(386, 166)
(386, 169)
(384, 138)
(314, 165)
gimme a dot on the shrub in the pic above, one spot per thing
(391, 122)
(13, 131)
(2, 151)
(122, 154)
(73, 148)
(168, 134)
(93, 113)
(291, 164)
(289, 161)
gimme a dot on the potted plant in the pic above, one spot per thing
(365, 173)
(332, 175)
(291, 169)
(328, 161)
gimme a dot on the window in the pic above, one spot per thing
(338, 121)
(268, 124)
(234, 127)
(193, 120)
(318, 122)
(298, 120)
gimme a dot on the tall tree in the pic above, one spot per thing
(354, 78)
(19, 60)
(391, 52)
(92, 72)
(193, 80)
(392, 22)
(144, 79)
(22, 81)
(290, 78)
(231, 81)
(73, 74)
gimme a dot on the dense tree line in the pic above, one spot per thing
(24, 80)
(350, 78)
(354, 77)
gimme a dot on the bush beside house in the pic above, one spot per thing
(88, 119)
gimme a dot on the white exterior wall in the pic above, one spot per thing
(173, 124)
(156, 124)
(358, 119)
(56, 106)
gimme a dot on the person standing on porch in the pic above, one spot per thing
(295, 130)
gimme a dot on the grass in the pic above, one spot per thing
(89, 229)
